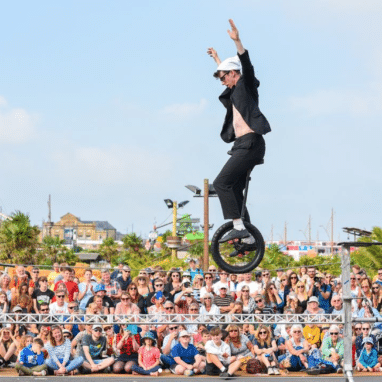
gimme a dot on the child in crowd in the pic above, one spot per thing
(148, 357)
(200, 345)
(32, 361)
(368, 360)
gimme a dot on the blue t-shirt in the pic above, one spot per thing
(29, 358)
(186, 355)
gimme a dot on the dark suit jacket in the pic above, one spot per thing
(246, 100)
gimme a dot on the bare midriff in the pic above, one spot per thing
(239, 125)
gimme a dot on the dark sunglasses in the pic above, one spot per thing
(333, 333)
(233, 331)
(44, 310)
(169, 307)
(293, 277)
(125, 299)
(258, 300)
(158, 285)
(223, 77)
(263, 332)
(133, 288)
(98, 330)
(60, 296)
(173, 328)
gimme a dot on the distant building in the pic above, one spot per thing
(82, 233)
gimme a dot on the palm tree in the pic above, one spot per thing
(132, 241)
(53, 248)
(18, 239)
(370, 257)
(109, 249)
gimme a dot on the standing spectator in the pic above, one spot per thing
(60, 306)
(323, 291)
(128, 345)
(31, 360)
(71, 286)
(194, 270)
(117, 272)
(265, 348)
(58, 349)
(265, 278)
(53, 275)
(124, 280)
(219, 359)
(60, 276)
(20, 278)
(377, 296)
(148, 357)
(93, 345)
(112, 287)
(311, 275)
(42, 294)
(224, 301)
(379, 277)
(291, 285)
(187, 359)
(35, 275)
(197, 285)
(86, 290)
(107, 302)
(277, 279)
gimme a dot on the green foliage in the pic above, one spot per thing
(334, 269)
(109, 249)
(369, 257)
(18, 239)
(274, 258)
(132, 242)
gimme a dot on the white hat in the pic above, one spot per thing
(184, 333)
(231, 63)
(313, 299)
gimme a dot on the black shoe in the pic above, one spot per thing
(224, 375)
(235, 234)
(234, 254)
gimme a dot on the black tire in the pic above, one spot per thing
(243, 263)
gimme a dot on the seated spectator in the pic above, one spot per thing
(333, 348)
(144, 285)
(241, 347)
(158, 287)
(368, 360)
(8, 347)
(173, 282)
(377, 296)
(93, 345)
(54, 274)
(157, 309)
(76, 345)
(313, 307)
(193, 315)
(71, 286)
(41, 294)
(4, 304)
(336, 305)
(22, 298)
(31, 360)
(148, 357)
(254, 286)
(96, 308)
(297, 349)
(21, 277)
(291, 285)
(224, 281)
(135, 297)
(312, 334)
(58, 348)
(111, 341)
(72, 319)
(107, 302)
(201, 339)
(219, 359)
(223, 300)
(208, 287)
(187, 359)
(248, 301)
(112, 287)
(262, 306)
(302, 297)
(208, 308)
(128, 345)
(265, 348)
(169, 342)
(126, 306)
(197, 286)
(237, 309)
(5, 282)
(184, 299)
(86, 290)
(60, 306)
(272, 298)
(366, 332)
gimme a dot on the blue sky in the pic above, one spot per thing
(111, 107)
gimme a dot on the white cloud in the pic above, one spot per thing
(184, 110)
(16, 124)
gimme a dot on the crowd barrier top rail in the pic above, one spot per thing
(167, 319)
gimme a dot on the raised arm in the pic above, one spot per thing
(212, 52)
(234, 34)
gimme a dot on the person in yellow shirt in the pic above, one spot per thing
(54, 274)
(312, 334)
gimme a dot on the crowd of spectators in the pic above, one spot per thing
(184, 347)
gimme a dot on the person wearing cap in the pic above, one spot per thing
(312, 306)
(368, 360)
(245, 125)
(124, 280)
(100, 291)
(187, 359)
(93, 345)
(148, 357)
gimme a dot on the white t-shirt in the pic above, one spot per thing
(214, 310)
(253, 286)
(212, 348)
(55, 309)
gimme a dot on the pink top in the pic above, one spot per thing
(239, 125)
(132, 309)
(149, 357)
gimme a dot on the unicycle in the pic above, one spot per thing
(237, 256)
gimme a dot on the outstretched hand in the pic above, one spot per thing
(212, 52)
(234, 33)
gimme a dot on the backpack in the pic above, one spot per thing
(254, 366)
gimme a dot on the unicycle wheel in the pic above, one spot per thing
(237, 256)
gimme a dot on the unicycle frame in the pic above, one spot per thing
(243, 207)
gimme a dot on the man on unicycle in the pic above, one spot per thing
(244, 125)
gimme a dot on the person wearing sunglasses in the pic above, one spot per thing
(291, 285)
(41, 294)
(169, 342)
(208, 285)
(265, 348)
(185, 298)
(125, 306)
(336, 305)
(272, 298)
(174, 282)
(125, 279)
(365, 332)
(107, 302)
(60, 306)
(376, 296)
(244, 124)
(158, 287)
(71, 286)
(208, 308)
(93, 345)
(333, 348)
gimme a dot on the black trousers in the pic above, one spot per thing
(247, 151)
